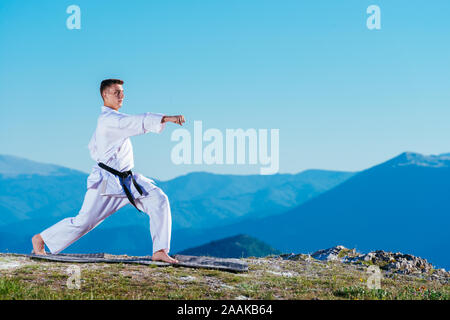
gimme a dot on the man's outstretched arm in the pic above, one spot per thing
(119, 126)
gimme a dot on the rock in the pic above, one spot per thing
(388, 261)
(330, 254)
(287, 274)
(337, 253)
(187, 278)
(11, 262)
(397, 262)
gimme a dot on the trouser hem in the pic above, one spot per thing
(47, 243)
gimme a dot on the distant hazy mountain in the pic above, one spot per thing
(400, 205)
(239, 246)
(200, 199)
(33, 190)
(12, 166)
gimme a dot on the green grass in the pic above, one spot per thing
(405, 293)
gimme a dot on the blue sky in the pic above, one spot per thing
(344, 97)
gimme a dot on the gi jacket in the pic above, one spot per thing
(111, 145)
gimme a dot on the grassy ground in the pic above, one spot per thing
(24, 278)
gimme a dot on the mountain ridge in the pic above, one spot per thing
(383, 206)
(197, 199)
(13, 166)
(394, 202)
(418, 159)
(237, 246)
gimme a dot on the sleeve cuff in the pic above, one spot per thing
(152, 122)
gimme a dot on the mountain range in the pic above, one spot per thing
(35, 195)
(401, 204)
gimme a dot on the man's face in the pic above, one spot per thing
(113, 96)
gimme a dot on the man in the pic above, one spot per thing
(111, 184)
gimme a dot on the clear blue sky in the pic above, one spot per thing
(344, 97)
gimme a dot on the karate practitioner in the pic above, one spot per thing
(111, 184)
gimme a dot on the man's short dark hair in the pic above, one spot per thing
(107, 82)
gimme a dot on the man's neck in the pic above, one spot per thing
(111, 107)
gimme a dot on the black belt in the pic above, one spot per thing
(124, 175)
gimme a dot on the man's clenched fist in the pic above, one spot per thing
(175, 119)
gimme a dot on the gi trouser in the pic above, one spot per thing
(97, 208)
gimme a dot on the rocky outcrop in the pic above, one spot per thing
(388, 261)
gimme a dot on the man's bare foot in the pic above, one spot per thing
(38, 245)
(161, 255)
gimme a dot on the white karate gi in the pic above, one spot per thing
(111, 145)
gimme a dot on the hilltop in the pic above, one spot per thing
(239, 246)
(335, 273)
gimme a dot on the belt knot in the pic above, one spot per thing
(122, 175)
